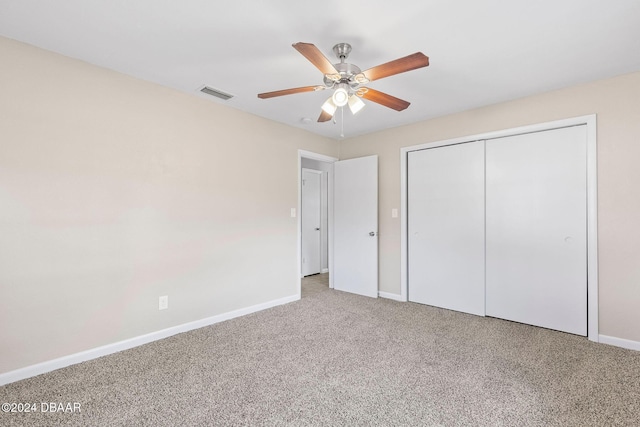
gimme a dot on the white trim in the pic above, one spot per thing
(320, 157)
(404, 245)
(620, 342)
(330, 182)
(388, 295)
(592, 229)
(315, 156)
(94, 353)
(317, 172)
(592, 202)
(324, 270)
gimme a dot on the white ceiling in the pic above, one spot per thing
(481, 51)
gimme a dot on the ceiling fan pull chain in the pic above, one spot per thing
(342, 123)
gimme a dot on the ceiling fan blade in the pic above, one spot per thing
(384, 99)
(324, 117)
(313, 54)
(290, 91)
(401, 65)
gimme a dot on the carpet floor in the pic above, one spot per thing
(336, 359)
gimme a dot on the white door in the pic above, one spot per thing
(446, 227)
(536, 198)
(355, 226)
(310, 219)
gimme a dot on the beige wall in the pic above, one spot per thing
(616, 103)
(114, 191)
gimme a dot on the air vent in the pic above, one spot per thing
(215, 92)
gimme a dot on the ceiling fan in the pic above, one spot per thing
(347, 80)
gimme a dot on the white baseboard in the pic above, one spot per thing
(620, 342)
(395, 297)
(72, 359)
(324, 270)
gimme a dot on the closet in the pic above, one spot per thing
(499, 228)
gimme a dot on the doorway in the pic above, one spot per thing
(315, 175)
(352, 221)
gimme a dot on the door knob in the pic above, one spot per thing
(317, 228)
(372, 233)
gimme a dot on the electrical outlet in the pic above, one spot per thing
(163, 302)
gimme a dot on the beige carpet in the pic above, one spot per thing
(335, 359)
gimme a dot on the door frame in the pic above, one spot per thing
(315, 172)
(326, 159)
(592, 203)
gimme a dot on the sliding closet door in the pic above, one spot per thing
(446, 227)
(536, 229)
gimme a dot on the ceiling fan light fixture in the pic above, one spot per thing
(329, 107)
(340, 97)
(355, 104)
